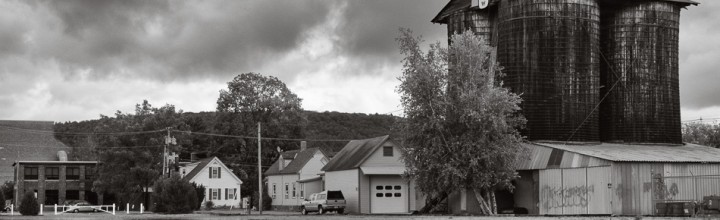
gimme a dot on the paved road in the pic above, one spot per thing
(294, 216)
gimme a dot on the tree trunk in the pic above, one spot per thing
(433, 204)
(483, 204)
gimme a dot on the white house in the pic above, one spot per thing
(295, 176)
(368, 172)
(221, 185)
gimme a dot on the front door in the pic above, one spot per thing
(388, 194)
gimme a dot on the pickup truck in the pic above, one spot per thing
(324, 201)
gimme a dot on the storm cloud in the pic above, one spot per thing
(75, 59)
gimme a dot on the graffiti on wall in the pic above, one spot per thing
(556, 197)
(663, 190)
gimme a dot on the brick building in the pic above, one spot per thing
(55, 182)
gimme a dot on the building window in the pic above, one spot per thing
(388, 194)
(31, 173)
(51, 197)
(398, 194)
(72, 195)
(230, 194)
(378, 187)
(387, 151)
(73, 173)
(214, 172)
(302, 191)
(293, 194)
(90, 172)
(378, 195)
(287, 191)
(388, 187)
(398, 187)
(274, 191)
(52, 173)
(215, 194)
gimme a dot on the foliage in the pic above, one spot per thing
(7, 190)
(209, 205)
(2, 202)
(174, 195)
(461, 125)
(200, 193)
(267, 200)
(250, 99)
(29, 204)
(702, 134)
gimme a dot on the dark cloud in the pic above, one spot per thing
(699, 53)
(372, 25)
(173, 40)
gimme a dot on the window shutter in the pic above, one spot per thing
(210, 194)
(210, 168)
(235, 194)
(218, 168)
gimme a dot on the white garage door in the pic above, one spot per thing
(388, 194)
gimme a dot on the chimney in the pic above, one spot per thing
(62, 156)
(303, 145)
(193, 157)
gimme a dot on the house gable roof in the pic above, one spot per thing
(203, 164)
(354, 154)
(298, 162)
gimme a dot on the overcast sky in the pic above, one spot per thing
(73, 60)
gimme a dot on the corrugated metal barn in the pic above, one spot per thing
(613, 179)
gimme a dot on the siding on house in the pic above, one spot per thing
(347, 182)
(376, 159)
(227, 180)
(313, 166)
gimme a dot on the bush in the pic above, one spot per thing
(29, 204)
(200, 192)
(7, 190)
(2, 202)
(267, 201)
(209, 205)
(173, 195)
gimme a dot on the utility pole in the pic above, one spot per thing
(167, 141)
(260, 189)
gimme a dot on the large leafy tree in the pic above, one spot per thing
(460, 130)
(252, 98)
(701, 133)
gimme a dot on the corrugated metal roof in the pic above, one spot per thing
(690, 153)
(536, 157)
(354, 153)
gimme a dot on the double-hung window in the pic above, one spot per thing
(293, 193)
(52, 173)
(287, 196)
(215, 173)
(31, 173)
(72, 173)
(274, 192)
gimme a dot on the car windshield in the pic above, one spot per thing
(335, 195)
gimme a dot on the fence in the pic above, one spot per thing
(672, 189)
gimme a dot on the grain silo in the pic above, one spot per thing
(461, 16)
(640, 77)
(550, 51)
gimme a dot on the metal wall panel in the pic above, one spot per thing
(598, 193)
(551, 193)
(575, 191)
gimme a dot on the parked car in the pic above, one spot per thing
(323, 202)
(80, 206)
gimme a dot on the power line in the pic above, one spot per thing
(61, 148)
(80, 133)
(264, 138)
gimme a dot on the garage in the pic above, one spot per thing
(388, 194)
